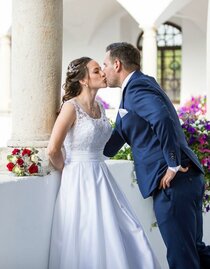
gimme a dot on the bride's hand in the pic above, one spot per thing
(169, 176)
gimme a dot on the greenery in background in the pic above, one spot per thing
(125, 152)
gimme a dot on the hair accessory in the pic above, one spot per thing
(72, 68)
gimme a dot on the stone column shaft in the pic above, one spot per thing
(149, 51)
(36, 70)
(208, 62)
(5, 71)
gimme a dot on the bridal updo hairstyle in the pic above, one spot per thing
(76, 71)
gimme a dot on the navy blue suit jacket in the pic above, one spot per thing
(152, 129)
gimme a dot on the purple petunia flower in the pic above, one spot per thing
(197, 131)
(207, 125)
(191, 140)
(206, 196)
(191, 130)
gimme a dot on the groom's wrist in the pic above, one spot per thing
(174, 169)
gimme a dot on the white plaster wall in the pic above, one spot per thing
(94, 46)
(26, 210)
(193, 61)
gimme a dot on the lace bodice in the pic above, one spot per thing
(87, 134)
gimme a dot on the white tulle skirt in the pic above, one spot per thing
(94, 226)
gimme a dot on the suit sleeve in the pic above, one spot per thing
(151, 107)
(114, 144)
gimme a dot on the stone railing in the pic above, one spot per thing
(26, 210)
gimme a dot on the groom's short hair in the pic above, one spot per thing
(126, 53)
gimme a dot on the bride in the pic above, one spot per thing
(94, 226)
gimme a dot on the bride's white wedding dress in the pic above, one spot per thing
(94, 226)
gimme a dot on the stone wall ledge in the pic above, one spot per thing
(27, 206)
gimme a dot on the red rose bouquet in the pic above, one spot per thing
(24, 162)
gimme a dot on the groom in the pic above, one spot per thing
(165, 166)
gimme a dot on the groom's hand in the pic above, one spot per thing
(169, 176)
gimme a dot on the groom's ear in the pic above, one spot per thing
(117, 65)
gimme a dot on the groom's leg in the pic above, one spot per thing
(178, 211)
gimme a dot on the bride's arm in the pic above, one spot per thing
(63, 122)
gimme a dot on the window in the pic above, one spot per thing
(169, 41)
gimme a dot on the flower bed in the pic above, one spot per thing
(197, 131)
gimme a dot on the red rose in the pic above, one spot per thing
(15, 151)
(33, 169)
(10, 166)
(26, 152)
(20, 161)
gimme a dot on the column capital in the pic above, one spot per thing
(148, 27)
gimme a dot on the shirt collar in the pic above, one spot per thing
(125, 81)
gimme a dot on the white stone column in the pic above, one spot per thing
(36, 70)
(5, 71)
(208, 62)
(149, 51)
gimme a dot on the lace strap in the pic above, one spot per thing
(81, 113)
(76, 107)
